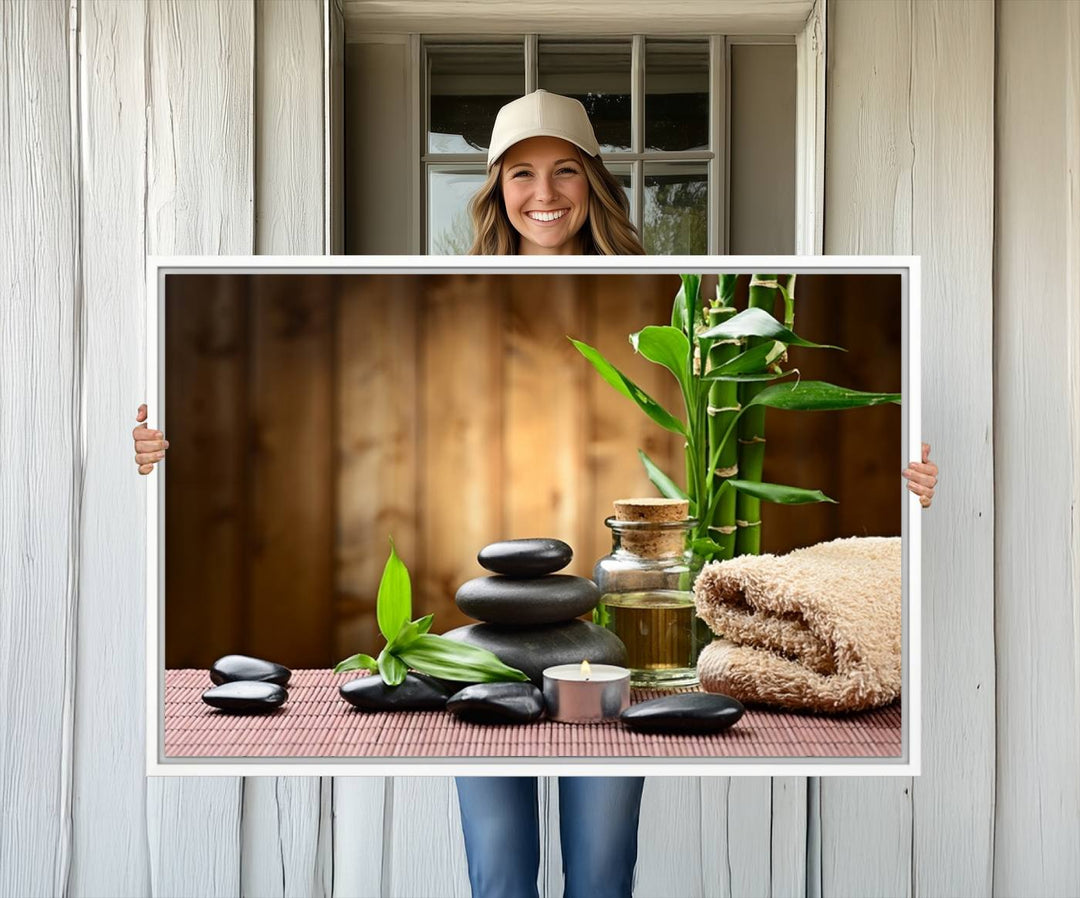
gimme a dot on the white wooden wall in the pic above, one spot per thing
(197, 127)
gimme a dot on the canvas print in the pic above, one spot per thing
(453, 516)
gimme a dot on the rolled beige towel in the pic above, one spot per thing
(817, 629)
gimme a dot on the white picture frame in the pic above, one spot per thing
(907, 764)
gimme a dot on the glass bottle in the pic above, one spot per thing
(645, 594)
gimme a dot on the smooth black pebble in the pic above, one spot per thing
(517, 602)
(416, 693)
(230, 668)
(497, 703)
(526, 557)
(531, 649)
(691, 712)
(246, 695)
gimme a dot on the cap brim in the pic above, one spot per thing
(496, 152)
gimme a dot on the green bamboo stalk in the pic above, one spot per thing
(751, 429)
(723, 406)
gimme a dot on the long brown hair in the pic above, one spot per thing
(607, 231)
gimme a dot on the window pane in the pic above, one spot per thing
(676, 95)
(597, 74)
(449, 191)
(624, 176)
(676, 208)
(467, 84)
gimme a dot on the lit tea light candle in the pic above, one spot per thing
(586, 693)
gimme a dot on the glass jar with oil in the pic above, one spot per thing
(645, 586)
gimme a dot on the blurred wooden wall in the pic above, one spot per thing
(311, 418)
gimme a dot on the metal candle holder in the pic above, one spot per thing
(574, 696)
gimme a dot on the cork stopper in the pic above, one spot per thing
(647, 542)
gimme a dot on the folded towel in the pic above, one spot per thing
(817, 629)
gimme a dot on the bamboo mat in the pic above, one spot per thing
(315, 722)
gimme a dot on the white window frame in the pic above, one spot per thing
(804, 22)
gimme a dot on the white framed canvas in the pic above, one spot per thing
(319, 407)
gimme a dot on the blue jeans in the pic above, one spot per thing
(598, 832)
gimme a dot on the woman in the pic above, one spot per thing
(547, 193)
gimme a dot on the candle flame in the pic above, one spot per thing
(586, 671)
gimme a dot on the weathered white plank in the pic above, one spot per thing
(868, 193)
(670, 839)
(200, 182)
(289, 132)
(360, 825)
(1037, 822)
(551, 877)
(735, 846)
(193, 829)
(199, 200)
(866, 837)
(952, 77)
(909, 170)
(280, 836)
(281, 816)
(423, 845)
(788, 845)
(108, 817)
(40, 446)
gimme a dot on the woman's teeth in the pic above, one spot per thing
(546, 216)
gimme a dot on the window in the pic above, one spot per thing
(656, 105)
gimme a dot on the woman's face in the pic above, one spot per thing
(546, 195)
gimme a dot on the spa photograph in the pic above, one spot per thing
(532, 516)
(536, 449)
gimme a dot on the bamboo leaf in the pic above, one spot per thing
(391, 668)
(668, 488)
(424, 623)
(684, 309)
(359, 661)
(665, 346)
(452, 660)
(393, 607)
(775, 492)
(706, 548)
(629, 389)
(753, 360)
(816, 395)
(759, 323)
(725, 289)
(748, 378)
(409, 631)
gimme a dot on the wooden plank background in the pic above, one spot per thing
(132, 127)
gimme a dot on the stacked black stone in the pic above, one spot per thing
(527, 611)
(245, 684)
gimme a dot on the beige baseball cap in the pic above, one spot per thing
(541, 114)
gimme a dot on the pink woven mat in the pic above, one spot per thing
(315, 722)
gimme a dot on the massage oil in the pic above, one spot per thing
(645, 585)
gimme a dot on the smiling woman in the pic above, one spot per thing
(547, 190)
(546, 195)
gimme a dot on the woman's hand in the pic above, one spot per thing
(921, 477)
(150, 445)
